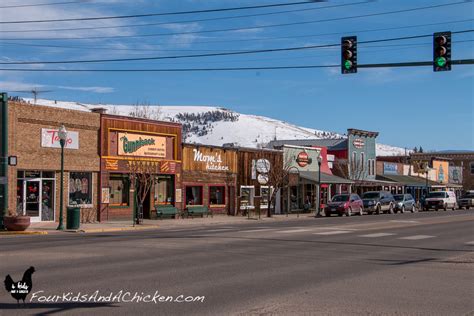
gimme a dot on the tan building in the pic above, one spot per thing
(34, 183)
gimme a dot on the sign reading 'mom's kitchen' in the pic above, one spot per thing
(141, 145)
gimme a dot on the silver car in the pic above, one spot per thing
(404, 202)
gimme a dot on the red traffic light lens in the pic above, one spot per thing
(441, 40)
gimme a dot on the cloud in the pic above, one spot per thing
(89, 89)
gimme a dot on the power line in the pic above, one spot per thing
(187, 21)
(43, 4)
(238, 40)
(270, 50)
(381, 65)
(244, 28)
(167, 13)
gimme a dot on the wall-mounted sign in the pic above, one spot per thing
(358, 143)
(168, 167)
(390, 168)
(105, 195)
(303, 159)
(111, 164)
(213, 161)
(141, 145)
(179, 193)
(442, 171)
(262, 178)
(50, 138)
(263, 165)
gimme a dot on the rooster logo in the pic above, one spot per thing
(19, 290)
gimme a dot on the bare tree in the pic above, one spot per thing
(355, 171)
(146, 110)
(142, 175)
(113, 110)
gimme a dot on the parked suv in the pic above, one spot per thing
(467, 200)
(440, 200)
(378, 201)
(405, 202)
(344, 204)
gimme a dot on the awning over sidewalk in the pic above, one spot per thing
(408, 181)
(325, 178)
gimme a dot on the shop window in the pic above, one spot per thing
(119, 190)
(362, 161)
(47, 200)
(247, 194)
(217, 195)
(19, 197)
(80, 188)
(48, 174)
(265, 193)
(472, 167)
(164, 189)
(194, 195)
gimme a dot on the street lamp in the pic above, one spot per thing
(62, 133)
(318, 205)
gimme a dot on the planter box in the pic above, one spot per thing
(16, 223)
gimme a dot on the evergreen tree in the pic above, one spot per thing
(420, 150)
(415, 150)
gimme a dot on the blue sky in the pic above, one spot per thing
(408, 106)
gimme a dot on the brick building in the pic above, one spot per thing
(34, 183)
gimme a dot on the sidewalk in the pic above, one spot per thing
(44, 228)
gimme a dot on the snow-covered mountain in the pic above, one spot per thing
(217, 125)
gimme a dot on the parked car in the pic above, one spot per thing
(344, 204)
(378, 201)
(467, 200)
(440, 200)
(404, 202)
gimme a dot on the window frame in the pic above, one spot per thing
(121, 205)
(223, 195)
(186, 186)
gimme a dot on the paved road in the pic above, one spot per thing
(402, 264)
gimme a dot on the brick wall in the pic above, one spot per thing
(25, 124)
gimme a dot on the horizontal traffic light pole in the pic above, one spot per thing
(415, 64)
(383, 65)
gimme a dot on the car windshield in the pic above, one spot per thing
(398, 197)
(370, 195)
(340, 198)
(468, 196)
(437, 195)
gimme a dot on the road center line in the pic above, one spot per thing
(293, 231)
(377, 235)
(334, 232)
(417, 237)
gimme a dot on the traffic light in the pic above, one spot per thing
(442, 51)
(349, 55)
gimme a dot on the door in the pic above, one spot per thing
(32, 196)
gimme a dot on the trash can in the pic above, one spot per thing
(73, 220)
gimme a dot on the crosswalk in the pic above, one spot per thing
(330, 232)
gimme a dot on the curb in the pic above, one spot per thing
(8, 233)
(118, 229)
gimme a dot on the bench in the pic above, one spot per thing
(198, 210)
(166, 211)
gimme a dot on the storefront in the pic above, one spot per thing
(259, 180)
(34, 182)
(209, 177)
(140, 164)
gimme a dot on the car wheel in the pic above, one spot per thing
(327, 214)
(467, 207)
(349, 212)
(377, 210)
(413, 209)
(390, 209)
(454, 206)
(403, 209)
(340, 214)
(361, 211)
(445, 207)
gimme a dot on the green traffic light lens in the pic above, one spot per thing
(441, 61)
(348, 64)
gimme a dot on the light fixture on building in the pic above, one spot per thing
(12, 160)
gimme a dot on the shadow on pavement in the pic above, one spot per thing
(53, 308)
